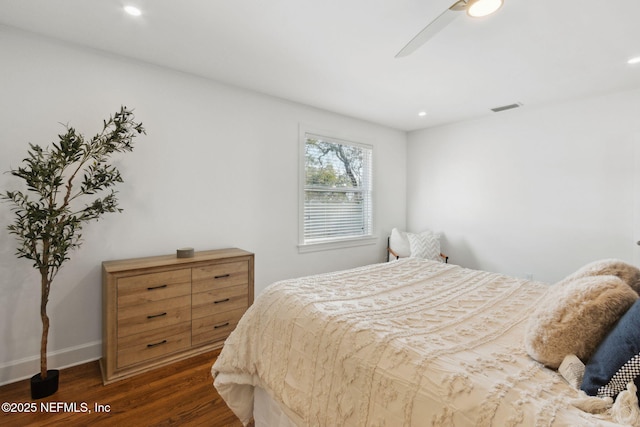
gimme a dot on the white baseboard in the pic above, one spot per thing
(26, 368)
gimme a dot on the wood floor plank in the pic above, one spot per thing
(179, 394)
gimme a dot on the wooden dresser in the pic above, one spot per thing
(161, 309)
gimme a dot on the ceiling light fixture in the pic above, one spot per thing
(635, 60)
(480, 8)
(132, 10)
(422, 113)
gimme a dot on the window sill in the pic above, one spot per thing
(336, 244)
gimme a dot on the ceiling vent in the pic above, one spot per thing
(507, 107)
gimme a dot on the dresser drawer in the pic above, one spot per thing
(220, 276)
(156, 343)
(219, 300)
(215, 327)
(139, 318)
(153, 287)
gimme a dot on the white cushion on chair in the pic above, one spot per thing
(420, 245)
(424, 245)
(399, 243)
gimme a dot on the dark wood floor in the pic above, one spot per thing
(180, 394)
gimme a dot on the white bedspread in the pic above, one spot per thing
(406, 343)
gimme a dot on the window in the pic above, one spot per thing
(336, 187)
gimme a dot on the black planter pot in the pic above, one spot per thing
(44, 387)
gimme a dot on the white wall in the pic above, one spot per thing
(530, 191)
(217, 168)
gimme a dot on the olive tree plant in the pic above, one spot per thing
(67, 185)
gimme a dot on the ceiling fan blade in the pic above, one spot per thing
(429, 31)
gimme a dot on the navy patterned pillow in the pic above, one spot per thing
(617, 359)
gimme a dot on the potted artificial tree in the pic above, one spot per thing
(50, 214)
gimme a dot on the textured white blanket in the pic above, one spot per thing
(406, 343)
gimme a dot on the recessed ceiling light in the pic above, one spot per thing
(635, 60)
(132, 10)
(422, 113)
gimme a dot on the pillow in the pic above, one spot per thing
(616, 362)
(627, 272)
(426, 246)
(399, 243)
(575, 317)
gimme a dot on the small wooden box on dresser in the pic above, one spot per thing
(162, 309)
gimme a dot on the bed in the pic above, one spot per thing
(407, 343)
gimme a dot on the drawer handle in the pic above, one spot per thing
(156, 344)
(221, 326)
(153, 316)
(222, 300)
(156, 287)
(222, 276)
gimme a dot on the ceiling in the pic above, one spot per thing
(338, 55)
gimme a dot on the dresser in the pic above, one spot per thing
(161, 309)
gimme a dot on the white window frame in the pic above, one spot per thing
(337, 242)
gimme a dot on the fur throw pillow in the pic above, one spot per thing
(628, 273)
(575, 317)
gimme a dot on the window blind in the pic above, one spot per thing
(337, 190)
